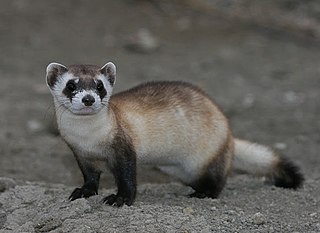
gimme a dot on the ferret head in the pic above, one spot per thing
(82, 89)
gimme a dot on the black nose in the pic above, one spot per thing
(88, 100)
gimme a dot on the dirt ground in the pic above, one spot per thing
(264, 74)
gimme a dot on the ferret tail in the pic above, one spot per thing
(261, 160)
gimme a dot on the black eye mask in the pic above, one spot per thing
(101, 90)
(72, 88)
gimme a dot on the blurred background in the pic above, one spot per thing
(260, 61)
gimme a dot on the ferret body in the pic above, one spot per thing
(172, 125)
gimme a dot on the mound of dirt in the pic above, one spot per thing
(245, 205)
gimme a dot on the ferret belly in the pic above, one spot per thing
(179, 156)
(180, 147)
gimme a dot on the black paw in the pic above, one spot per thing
(117, 200)
(82, 192)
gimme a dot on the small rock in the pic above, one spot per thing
(3, 219)
(48, 225)
(313, 214)
(248, 100)
(213, 208)
(6, 183)
(188, 210)
(34, 125)
(142, 42)
(292, 97)
(258, 218)
(280, 146)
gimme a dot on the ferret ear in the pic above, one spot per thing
(109, 70)
(54, 70)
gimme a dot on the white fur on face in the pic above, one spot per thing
(78, 107)
(75, 105)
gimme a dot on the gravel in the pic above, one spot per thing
(246, 205)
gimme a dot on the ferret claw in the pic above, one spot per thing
(82, 192)
(117, 200)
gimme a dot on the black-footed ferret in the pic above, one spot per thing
(173, 125)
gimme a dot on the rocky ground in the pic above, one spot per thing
(246, 205)
(263, 71)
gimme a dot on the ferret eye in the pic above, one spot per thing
(71, 86)
(100, 86)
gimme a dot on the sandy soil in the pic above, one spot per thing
(265, 78)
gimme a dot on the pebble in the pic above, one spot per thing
(293, 97)
(280, 146)
(6, 183)
(188, 210)
(313, 214)
(258, 218)
(34, 125)
(248, 101)
(48, 225)
(213, 208)
(142, 42)
(3, 218)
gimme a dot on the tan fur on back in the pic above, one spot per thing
(173, 124)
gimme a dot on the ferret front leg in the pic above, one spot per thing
(124, 171)
(91, 182)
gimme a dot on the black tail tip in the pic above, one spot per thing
(287, 175)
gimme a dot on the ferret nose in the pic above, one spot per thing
(88, 100)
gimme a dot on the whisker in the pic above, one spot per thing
(45, 116)
(58, 110)
(60, 116)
